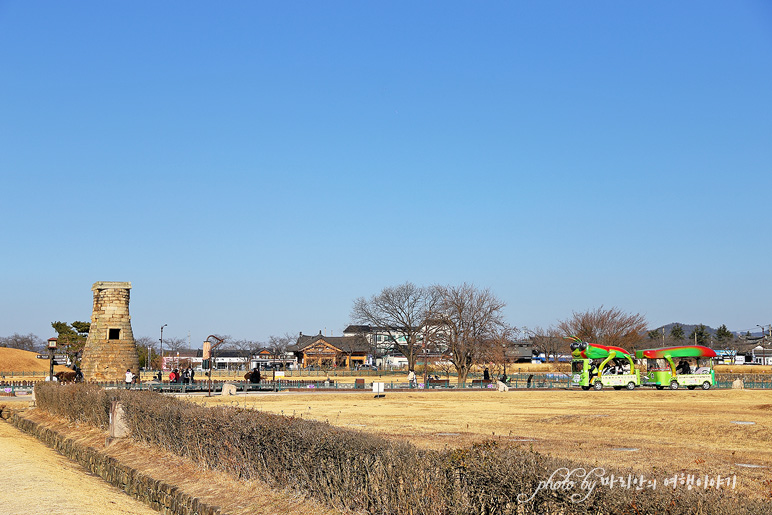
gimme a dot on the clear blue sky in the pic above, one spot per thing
(253, 167)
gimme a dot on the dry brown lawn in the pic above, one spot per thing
(672, 431)
(16, 360)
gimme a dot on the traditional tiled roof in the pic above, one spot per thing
(345, 344)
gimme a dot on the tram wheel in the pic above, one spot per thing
(598, 386)
(660, 387)
(631, 385)
(674, 385)
(691, 387)
(585, 387)
(706, 385)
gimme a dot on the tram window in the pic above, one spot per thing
(577, 366)
(657, 364)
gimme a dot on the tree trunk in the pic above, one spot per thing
(462, 372)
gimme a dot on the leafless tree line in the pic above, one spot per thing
(28, 342)
(465, 321)
(468, 324)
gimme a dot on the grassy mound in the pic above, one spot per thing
(16, 360)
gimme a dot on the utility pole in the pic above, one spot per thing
(161, 368)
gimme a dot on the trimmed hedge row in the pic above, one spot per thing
(358, 471)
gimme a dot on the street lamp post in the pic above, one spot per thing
(161, 368)
(51, 350)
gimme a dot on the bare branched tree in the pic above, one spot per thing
(277, 345)
(550, 341)
(401, 311)
(28, 342)
(173, 345)
(497, 347)
(606, 327)
(470, 317)
(245, 349)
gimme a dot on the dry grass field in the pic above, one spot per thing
(16, 360)
(656, 433)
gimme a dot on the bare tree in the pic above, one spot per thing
(470, 318)
(174, 345)
(245, 350)
(401, 311)
(497, 347)
(606, 327)
(28, 342)
(277, 345)
(550, 341)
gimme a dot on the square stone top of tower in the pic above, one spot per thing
(109, 285)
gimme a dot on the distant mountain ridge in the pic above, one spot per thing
(688, 328)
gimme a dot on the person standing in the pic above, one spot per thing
(129, 378)
(411, 378)
(192, 375)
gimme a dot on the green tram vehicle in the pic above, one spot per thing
(589, 366)
(694, 368)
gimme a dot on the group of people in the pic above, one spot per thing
(618, 367)
(683, 367)
(487, 376)
(186, 376)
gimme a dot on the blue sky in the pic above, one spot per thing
(253, 167)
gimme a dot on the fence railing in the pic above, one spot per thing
(11, 383)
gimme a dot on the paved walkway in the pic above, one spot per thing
(36, 480)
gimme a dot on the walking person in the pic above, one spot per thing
(411, 379)
(129, 378)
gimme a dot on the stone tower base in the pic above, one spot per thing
(110, 347)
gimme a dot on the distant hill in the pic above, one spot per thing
(688, 328)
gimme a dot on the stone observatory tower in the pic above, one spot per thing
(110, 348)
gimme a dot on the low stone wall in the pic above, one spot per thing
(162, 496)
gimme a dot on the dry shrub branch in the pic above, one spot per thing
(358, 471)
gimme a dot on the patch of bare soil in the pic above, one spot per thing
(39, 481)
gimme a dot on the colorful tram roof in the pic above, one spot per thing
(684, 351)
(580, 349)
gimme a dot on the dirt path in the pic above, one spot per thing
(37, 480)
